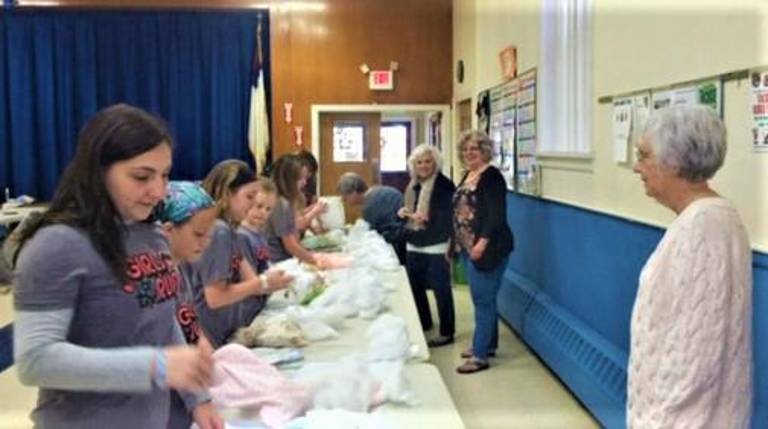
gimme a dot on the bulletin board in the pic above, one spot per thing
(758, 82)
(512, 128)
(631, 111)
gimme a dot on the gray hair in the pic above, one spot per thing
(483, 142)
(351, 183)
(421, 150)
(690, 139)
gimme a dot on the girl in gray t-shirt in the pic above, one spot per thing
(96, 287)
(280, 229)
(224, 282)
(187, 216)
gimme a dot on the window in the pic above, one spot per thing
(565, 75)
(348, 143)
(394, 146)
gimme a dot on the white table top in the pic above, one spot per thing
(17, 214)
(353, 333)
(436, 408)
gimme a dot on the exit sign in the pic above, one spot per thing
(381, 80)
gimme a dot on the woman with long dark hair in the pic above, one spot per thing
(96, 288)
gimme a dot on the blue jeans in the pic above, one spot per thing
(484, 288)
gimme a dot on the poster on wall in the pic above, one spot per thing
(759, 84)
(641, 110)
(508, 132)
(527, 171)
(512, 128)
(501, 130)
(496, 123)
(708, 92)
(622, 127)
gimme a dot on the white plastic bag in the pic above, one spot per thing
(334, 217)
(388, 339)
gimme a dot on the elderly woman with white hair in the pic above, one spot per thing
(690, 362)
(428, 210)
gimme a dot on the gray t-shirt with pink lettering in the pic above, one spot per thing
(59, 272)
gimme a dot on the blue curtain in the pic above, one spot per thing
(192, 68)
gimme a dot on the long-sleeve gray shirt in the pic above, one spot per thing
(87, 339)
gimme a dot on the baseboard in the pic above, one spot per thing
(592, 368)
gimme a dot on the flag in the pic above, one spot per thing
(258, 121)
(258, 124)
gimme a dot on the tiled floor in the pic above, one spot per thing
(517, 392)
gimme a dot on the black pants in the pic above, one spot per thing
(431, 272)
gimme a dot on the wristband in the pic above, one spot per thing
(263, 281)
(161, 365)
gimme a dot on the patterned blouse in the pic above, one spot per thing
(464, 208)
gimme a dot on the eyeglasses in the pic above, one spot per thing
(641, 155)
(470, 149)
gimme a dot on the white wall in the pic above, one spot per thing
(638, 46)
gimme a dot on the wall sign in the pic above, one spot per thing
(381, 80)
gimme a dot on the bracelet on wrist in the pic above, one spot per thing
(160, 377)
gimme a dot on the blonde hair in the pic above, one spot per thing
(266, 186)
(484, 143)
(421, 150)
(224, 179)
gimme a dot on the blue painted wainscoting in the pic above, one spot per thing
(568, 292)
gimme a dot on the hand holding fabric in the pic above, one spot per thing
(276, 280)
(189, 367)
(206, 416)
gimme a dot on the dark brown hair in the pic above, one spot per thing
(82, 200)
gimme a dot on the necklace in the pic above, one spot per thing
(474, 175)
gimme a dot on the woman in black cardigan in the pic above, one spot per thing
(428, 211)
(482, 240)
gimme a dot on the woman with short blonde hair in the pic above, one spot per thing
(428, 209)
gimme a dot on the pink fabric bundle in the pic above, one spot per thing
(240, 379)
(332, 260)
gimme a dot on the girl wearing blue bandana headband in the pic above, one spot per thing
(187, 216)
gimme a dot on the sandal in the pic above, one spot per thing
(473, 365)
(466, 354)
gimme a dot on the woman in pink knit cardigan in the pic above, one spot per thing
(690, 363)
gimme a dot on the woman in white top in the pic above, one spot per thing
(690, 362)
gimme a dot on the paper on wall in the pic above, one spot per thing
(622, 126)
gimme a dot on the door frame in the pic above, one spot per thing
(445, 125)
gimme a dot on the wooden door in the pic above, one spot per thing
(465, 115)
(349, 142)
